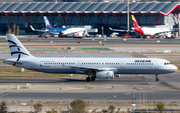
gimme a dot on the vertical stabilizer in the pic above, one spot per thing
(135, 22)
(48, 25)
(17, 49)
(136, 26)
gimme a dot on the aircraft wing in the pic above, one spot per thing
(122, 30)
(38, 29)
(89, 68)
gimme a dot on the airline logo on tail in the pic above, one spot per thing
(16, 48)
(134, 22)
(136, 26)
(48, 25)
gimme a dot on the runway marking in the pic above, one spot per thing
(5, 94)
(143, 78)
(62, 84)
(150, 86)
(12, 84)
(31, 91)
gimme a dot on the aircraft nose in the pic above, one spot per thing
(175, 68)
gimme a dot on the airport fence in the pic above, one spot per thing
(93, 105)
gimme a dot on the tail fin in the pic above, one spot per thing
(17, 49)
(134, 22)
(48, 25)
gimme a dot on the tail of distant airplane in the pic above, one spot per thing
(136, 26)
(17, 49)
(48, 25)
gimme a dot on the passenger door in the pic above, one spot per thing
(33, 63)
(156, 64)
(78, 63)
(121, 64)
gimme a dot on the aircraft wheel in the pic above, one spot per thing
(157, 79)
(93, 78)
(88, 79)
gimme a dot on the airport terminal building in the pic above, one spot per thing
(100, 15)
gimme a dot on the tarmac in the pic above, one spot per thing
(141, 86)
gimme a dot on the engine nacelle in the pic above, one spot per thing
(105, 74)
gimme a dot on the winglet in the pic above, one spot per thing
(32, 27)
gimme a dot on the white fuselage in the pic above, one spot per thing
(73, 30)
(153, 31)
(117, 65)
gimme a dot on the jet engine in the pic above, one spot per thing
(105, 74)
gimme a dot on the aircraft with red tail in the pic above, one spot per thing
(148, 31)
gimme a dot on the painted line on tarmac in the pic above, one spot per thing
(31, 91)
(7, 93)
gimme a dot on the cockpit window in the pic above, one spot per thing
(167, 63)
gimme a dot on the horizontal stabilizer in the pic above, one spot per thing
(120, 30)
(17, 62)
(38, 29)
(32, 27)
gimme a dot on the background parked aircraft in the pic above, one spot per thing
(148, 31)
(77, 31)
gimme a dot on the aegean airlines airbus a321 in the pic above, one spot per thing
(102, 68)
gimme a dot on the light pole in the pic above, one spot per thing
(69, 109)
(128, 17)
(89, 103)
(126, 95)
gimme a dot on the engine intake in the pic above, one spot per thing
(105, 74)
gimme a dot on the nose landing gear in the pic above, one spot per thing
(157, 79)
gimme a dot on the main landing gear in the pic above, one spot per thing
(157, 79)
(91, 78)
